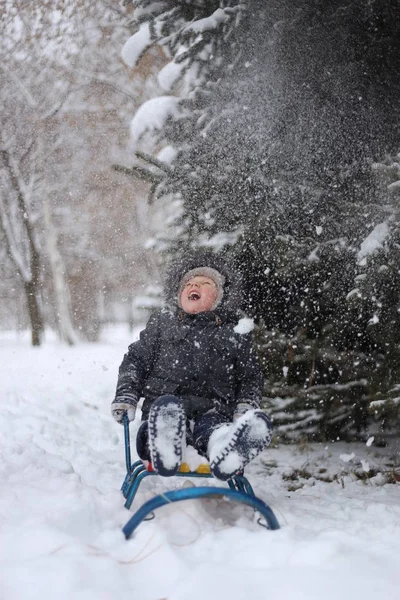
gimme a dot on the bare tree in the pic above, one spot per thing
(66, 99)
(17, 223)
(31, 95)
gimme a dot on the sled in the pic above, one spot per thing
(239, 490)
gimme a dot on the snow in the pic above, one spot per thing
(192, 458)
(61, 511)
(365, 466)
(395, 185)
(152, 115)
(347, 457)
(313, 256)
(373, 241)
(219, 16)
(220, 239)
(167, 154)
(168, 436)
(136, 45)
(245, 325)
(354, 292)
(170, 74)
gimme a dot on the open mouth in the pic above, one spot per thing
(194, 296)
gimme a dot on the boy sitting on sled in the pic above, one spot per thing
(198, 374)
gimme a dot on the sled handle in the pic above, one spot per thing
(127, 444)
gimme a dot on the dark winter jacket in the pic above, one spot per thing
(198, 357)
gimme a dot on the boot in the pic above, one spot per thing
(167, 430)
(232, 447)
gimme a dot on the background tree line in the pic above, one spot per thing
(68, 252)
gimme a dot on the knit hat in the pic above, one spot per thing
(198, 258)
(213, 274)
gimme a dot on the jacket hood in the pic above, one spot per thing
(194, 259)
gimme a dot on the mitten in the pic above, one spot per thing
(120, 407)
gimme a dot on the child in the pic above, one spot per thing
(198, 374)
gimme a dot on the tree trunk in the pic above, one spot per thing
(35, 313)
(31, 280)
(61, 291)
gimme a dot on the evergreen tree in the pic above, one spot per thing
(275, 132)
(378, 294)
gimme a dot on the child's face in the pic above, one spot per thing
(198, 295)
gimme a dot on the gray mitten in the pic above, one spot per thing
(120, 407)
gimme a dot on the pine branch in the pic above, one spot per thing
(154, 161)
(152, 194)
(139, 172)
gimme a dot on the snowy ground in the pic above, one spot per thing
(61, 511)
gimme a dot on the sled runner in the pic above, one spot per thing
(239, 490)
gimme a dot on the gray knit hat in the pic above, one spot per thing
(213, 274)
(198, 258)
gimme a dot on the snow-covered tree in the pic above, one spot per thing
(377, 293)
(199, 40)
(275, 114)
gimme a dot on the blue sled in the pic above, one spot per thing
(239, 490)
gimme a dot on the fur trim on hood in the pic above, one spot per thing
(195, 259)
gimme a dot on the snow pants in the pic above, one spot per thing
(198, 432)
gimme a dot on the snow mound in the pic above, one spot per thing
(61, 510)
(219, 16)
(152, 115)
(136, 45)
(169, 75)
